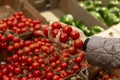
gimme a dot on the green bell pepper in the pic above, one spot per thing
(97, 3)
(97, 15)
(95, 30)
(115, 11)
(113, 3)
(88, 4)
(68, 19)
(85, 30)
(111, 19)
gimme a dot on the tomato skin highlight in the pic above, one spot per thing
(45, 30)
(64, 38)
(74, 35)
(67, 29)
(56, 25)
(72, 50)
(55, 32)
(78, 43)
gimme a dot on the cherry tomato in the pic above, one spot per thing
(40, 61)
(49, 75)
(37, 27)
(17, 70)
(67, 29)
(15, 57)
(3, 45)
(26, 50)
(20, 25)
(56, 77)
(78, 43)
(9, 37)
(10, 48)
(30, 60)
(56, 25)
(69, 72)
(3, 39)
(64, 65)
(45, 30)
(24, 58)
(35, 65)
(75, 68)
(72, 50)
(63, 37)
(74, 35)
(78, 60)
(55, 32)
(36, 73)
(16, 39)
(16, 46)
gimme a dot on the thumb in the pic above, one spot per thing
(50, 36)
(57, 39)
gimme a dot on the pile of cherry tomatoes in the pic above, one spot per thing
(37, 57)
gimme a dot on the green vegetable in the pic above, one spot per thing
(109, 14)
(88, 4)
(97, 15)
(78, 23)
(115, 11)
(92, 32)
(97, 29)
(68, 19)
(111, 19)
(113, 3)
(85, 30)
(102, 10)
(119, 14)
(97, 3)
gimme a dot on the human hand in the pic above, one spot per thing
(57, 38)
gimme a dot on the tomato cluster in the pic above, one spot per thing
(66, 32)
(106, 74)
(36, 57)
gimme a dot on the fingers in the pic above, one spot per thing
(41, 33)
(82, 35)
(57, 39)
(50, 36)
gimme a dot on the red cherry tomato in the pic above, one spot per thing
(72, 50)
(63, 37)
(74, 35)
(55, 32)
(78, 43)
(67, 29)
(45, 30)
(49, 75)
(56, 25)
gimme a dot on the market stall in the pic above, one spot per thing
(44, 39)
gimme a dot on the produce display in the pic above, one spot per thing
(68, 19)
(105, 74)
(32, 54)
(110, 14)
